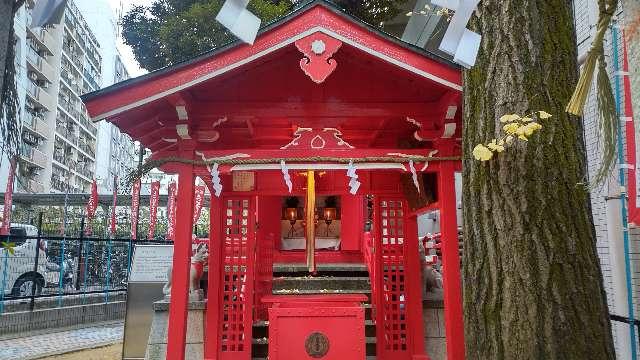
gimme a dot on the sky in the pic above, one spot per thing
(127, 55)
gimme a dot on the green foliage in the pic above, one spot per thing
(170, 31)
(374, 12)
(9, 246)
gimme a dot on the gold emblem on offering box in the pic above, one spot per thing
(317, 345)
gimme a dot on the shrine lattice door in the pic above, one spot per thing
(392, 317)
(237, 278)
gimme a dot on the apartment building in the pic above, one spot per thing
(63, 150)
(116, 152)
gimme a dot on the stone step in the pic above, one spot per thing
(321, 268)
(322, 282)
(320, 292)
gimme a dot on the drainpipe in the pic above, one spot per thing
(618, 233)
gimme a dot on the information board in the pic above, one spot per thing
(244, 181)
(151, 263)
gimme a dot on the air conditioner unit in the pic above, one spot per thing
(33, 76)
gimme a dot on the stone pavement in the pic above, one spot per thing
(37, 345)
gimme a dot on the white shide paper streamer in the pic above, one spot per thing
(414, 175)
(215, 176)
(354, 184)
(285, 175)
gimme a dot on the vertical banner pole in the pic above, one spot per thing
(8, 200)
(153, 208)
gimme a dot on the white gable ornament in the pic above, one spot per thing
(239, 21)
(316, 139)
(460, 42)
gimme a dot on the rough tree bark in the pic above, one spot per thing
(6, 24)
(532, 281)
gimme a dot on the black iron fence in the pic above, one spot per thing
(55, 260)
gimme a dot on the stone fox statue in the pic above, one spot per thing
(199, 258)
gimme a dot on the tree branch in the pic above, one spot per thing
(17, 5)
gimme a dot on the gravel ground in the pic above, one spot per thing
(112, 352)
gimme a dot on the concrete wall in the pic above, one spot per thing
(25, 321)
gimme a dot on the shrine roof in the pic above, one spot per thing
(379, 93)
(301, 8)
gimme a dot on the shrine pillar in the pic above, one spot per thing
(214, 280)
(454, 326)
(414, 287)
(181, 260)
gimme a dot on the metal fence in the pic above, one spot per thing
(53, 260)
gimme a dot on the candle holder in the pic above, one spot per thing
(329, 216)
(291, 214)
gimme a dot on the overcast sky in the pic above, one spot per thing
(127, 54)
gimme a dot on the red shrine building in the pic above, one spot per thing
(321, 143)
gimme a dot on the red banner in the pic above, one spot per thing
(8, 201)
(135, 206)
(113, 206)
(92, 205)
(153, 208)
(198, 200)
(171, 211)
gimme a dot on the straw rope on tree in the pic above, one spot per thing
(607, 126)
(155, 163)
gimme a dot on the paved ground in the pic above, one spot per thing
(111, 352)
(52, 343)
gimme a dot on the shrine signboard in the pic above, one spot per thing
(149, 273)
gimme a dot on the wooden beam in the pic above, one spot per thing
(208, 110)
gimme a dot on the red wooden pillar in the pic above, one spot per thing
(414, 287)
(181, 261)
(454, 327)
(214, 292)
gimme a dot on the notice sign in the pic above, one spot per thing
(151, 263)
(244, 181)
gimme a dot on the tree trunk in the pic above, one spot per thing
(6, 25)
(532, 281)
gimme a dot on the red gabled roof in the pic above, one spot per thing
(315, 16)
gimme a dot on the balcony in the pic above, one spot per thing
(70, 81)
(69, 108)
(91, 80)
(86, 172)
(57, 183)
(36, 125)
(89, 149)
(39, 96)
(59, 157)
(33, 157)
(42, 38)
(67, 134)
(39, 65)
(35, 186)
